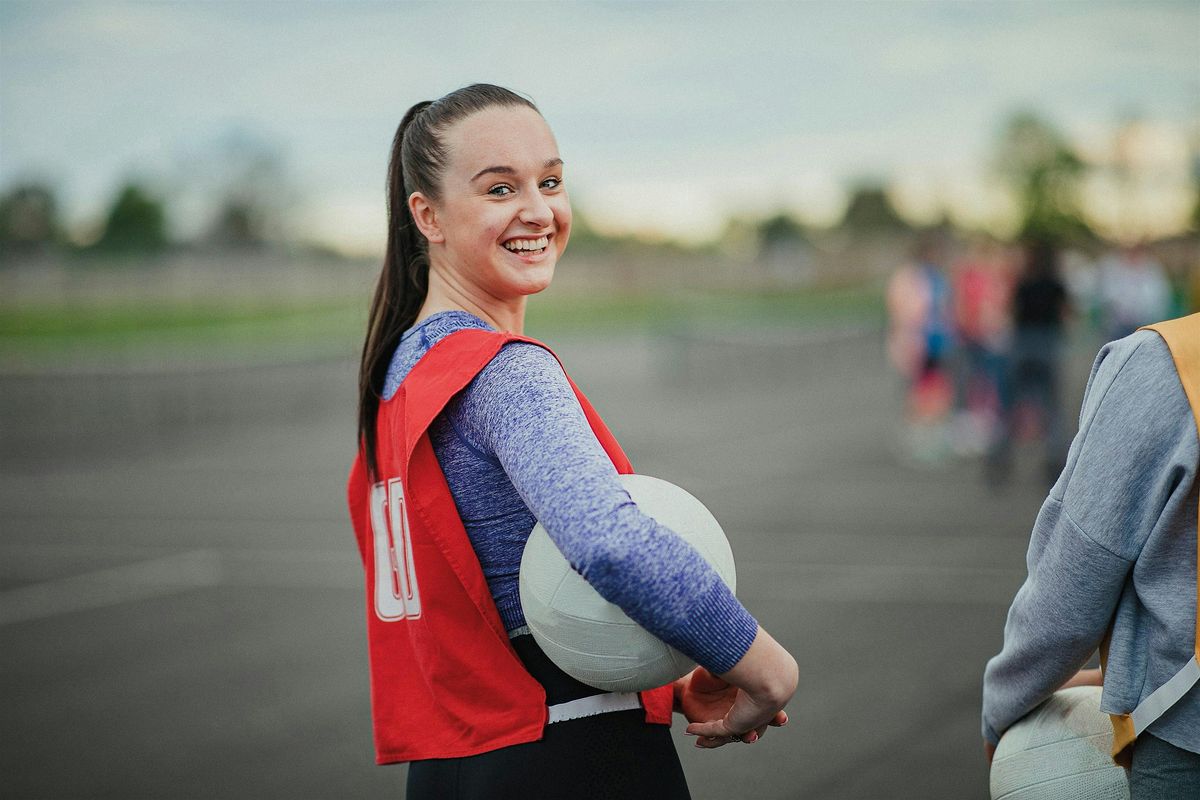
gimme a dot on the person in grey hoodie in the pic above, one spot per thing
(1113, 549)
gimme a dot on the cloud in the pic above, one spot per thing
(719, 103)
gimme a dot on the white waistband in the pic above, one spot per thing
(591, 706)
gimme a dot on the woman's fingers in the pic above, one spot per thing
(710, 735)
(714, 729)
(717, 728)
(714, 734)
(712, 742)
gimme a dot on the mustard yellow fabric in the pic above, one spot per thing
(1182, 337)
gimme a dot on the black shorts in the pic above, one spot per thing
(614, 755)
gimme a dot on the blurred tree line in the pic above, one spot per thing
(1042, 171)
(1044, 174)
(240, 175)
(30, 223)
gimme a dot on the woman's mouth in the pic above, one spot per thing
(528, 247)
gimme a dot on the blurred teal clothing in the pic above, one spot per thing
(1114, 543)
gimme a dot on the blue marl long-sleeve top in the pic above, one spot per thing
(516, 448)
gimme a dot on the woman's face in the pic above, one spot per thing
(504, 217)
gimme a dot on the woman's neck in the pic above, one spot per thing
(447, 295)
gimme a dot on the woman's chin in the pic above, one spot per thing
(536, 278)
(535, 287)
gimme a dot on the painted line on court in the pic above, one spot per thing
(107, 587)
(881, 583)
(173, 574)
(792, 582)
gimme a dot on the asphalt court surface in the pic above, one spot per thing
(186, 619)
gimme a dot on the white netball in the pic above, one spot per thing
(588, 637)
(1059, 751)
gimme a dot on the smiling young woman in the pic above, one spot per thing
(469, 433)
(501, 217)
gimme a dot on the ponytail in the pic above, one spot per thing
(399, 292)
(417, 162)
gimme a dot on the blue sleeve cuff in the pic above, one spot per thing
(719, 631)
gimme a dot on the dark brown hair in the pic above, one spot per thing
(417, 162)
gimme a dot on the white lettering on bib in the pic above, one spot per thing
(396, 593)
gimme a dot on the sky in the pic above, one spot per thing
(671, 117)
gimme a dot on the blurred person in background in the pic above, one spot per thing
(1134, 290)
(1112, 565)
(1082, 278)
(919, 343)
(982, 293)
(1040, 309)
(479, 431)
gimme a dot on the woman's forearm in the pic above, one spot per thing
(768, 672)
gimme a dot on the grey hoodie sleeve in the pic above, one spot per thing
(1122, 469)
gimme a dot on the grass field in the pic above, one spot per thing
(48, 334)
(52, 334)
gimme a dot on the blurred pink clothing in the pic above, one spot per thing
(982, 300)
(919, 319)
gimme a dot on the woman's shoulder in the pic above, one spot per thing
(1141, 360)
(516, 360)
(522, 387)
(520, 367)
(1135, 402)
(434, 328)
(417, 340)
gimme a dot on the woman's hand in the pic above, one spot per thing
(1085, 677)
(742, 703)
(703, 697)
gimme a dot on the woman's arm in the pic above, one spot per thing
(766, 678)
(522, 412)
(1123, 466)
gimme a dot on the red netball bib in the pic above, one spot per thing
(445, 681)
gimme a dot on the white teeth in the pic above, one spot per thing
(527, 244)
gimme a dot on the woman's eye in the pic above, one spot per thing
(500, 190)
(551, 183)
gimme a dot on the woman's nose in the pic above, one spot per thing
(536, 212)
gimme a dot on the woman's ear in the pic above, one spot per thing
(425, 217)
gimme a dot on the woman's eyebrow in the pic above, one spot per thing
(503, 170)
